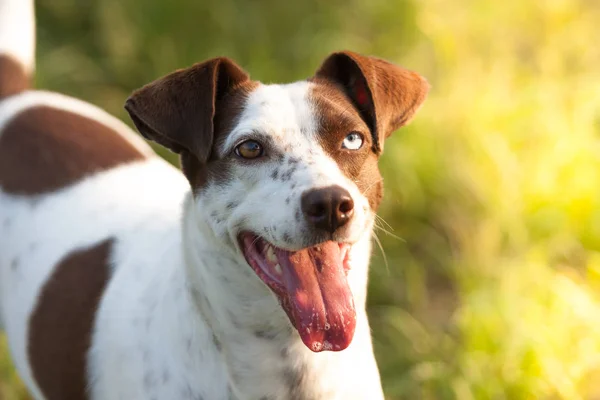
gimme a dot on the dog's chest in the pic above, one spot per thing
(169, 353)
(151, 343)
(263, 366)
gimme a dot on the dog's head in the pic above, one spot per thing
(286, 174)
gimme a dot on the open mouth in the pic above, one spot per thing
(312, 288)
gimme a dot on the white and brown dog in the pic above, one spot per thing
(119, 282)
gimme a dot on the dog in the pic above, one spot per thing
(244, 277)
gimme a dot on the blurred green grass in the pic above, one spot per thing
(490, 281)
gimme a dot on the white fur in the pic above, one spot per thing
(122, 203)
(17, 31)
(179, 281)
(159, 315)
(174, 286)
(283, 117)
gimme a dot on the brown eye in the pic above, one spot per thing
(249, 149)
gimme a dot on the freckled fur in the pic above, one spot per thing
(181, 314)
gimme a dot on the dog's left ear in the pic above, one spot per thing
(386, 95)
(178, 110)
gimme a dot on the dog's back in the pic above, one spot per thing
(77, 189)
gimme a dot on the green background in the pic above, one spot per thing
(489, 285)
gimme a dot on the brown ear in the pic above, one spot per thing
(177, 111)
(386, 95)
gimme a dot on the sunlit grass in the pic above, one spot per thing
(500, 176)
(11, 387)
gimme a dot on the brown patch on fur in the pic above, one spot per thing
(60, 328)
(44, 149)
(227, 115)
(13, 78)
(385, 95)
(338, 117)
(370, 96)
(183, 110)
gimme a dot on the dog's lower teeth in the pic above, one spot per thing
(278, 268)
(271, 257)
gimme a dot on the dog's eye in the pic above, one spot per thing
(249, 149)
(353, 141)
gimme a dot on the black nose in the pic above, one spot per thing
(327, 208)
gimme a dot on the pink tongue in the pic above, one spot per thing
(320, 300)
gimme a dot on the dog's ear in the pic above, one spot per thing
(177, 111)
(386, 95)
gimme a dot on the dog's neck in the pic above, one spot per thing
(264, 354)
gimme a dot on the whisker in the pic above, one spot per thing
(364, 192)
(384, 221)
(254, 241)
(385, 260)
(389, 233)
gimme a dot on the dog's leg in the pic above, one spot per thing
(17, 45)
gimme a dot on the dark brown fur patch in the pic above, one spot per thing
(44, 149)
(13, 78)
(386, 95)
(227, 115)
(177, 111)
(337, 117)
(61, 325)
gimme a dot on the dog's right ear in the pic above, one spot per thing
(178, 110)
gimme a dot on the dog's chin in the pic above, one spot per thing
(312, 287)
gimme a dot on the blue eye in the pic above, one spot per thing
(353, 141)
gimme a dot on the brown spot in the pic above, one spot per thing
(266, 333)
(287, 174)
(296, 382)
(217, 343)
(284, 353)
(386, 95)
(44, 149)
(337, 118)
(227, 115)
(186, 110)
(61, 325)
(13, 78)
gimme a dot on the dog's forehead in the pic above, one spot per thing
(282, 111)
(295, 112)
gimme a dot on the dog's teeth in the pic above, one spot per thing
(278, 268)
(271, 257)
